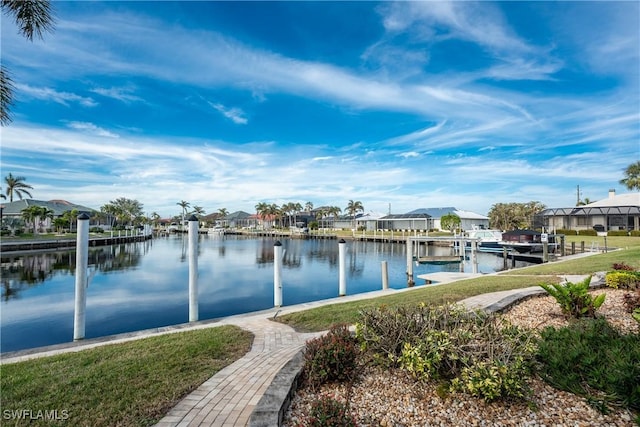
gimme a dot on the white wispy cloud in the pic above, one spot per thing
(49, 94)
(236, 115)
(124, 94)
(91, 128)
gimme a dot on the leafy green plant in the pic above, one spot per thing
(592, 359)
(327, 412)
(385, 331)
(623, 279)
(478, 352)
(636, 314)
(492, 380)
(574, 298)
(331, 357)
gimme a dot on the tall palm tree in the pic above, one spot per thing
(223, 212)
(353, 207)
(308, 207)
(334, 211)
(198, 211)
(17, 186)
(155, 217)
(184, 205)
(35, 214)
(632, 176)
(31, 17)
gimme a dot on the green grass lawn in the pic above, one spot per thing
(128, 384)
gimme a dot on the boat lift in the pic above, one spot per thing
(458, 242)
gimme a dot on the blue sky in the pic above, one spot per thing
(407, 104)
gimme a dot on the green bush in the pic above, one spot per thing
(617, 233)
(96, 230)
(587, 233)
(567, 232)
(635, 233)
(327, 412)
(448, 342)
(623, 279)
(591, 359)
(385, 331)
(493, 379)
(331, 357)
(574, 298)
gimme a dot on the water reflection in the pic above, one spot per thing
(145, 284)
(21, 271)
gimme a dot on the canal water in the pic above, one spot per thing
(144, 285)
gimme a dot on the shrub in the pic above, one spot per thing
(567, 232)
(493, 379)
(587, 233)
(617, 233)
(574, 298)
(622, 266)
(331, 357)
(623, 279)
(96, 230)
(632, 301)
(635, 233)
(591, 359)
(327, 412)
(453, 344)
(385, 331)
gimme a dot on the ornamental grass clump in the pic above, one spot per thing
(574, 298)
(590, 358)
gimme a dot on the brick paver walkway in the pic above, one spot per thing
(230, 396)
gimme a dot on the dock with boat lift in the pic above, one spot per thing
(458, 244)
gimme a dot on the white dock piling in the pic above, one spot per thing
(385, 275)
(193, 269)
(277, 274)
(82, 260)
(342, 255)
(410, 281)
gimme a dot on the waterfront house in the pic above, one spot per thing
(616, 212)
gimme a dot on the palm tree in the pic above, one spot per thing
(353, 208)
(262, 209)
(308, 207)
(223, 212)
(632, 176)
(155, 217)
(35, 214)
(333, 211)
(32, 17)
(184, 205)
(17, 186)
(198, 211)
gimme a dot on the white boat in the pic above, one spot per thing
(216, 230)
(488, 240)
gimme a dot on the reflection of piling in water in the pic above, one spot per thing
(277, 274)
(342, 256)
(82, 259)
(193, 269)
